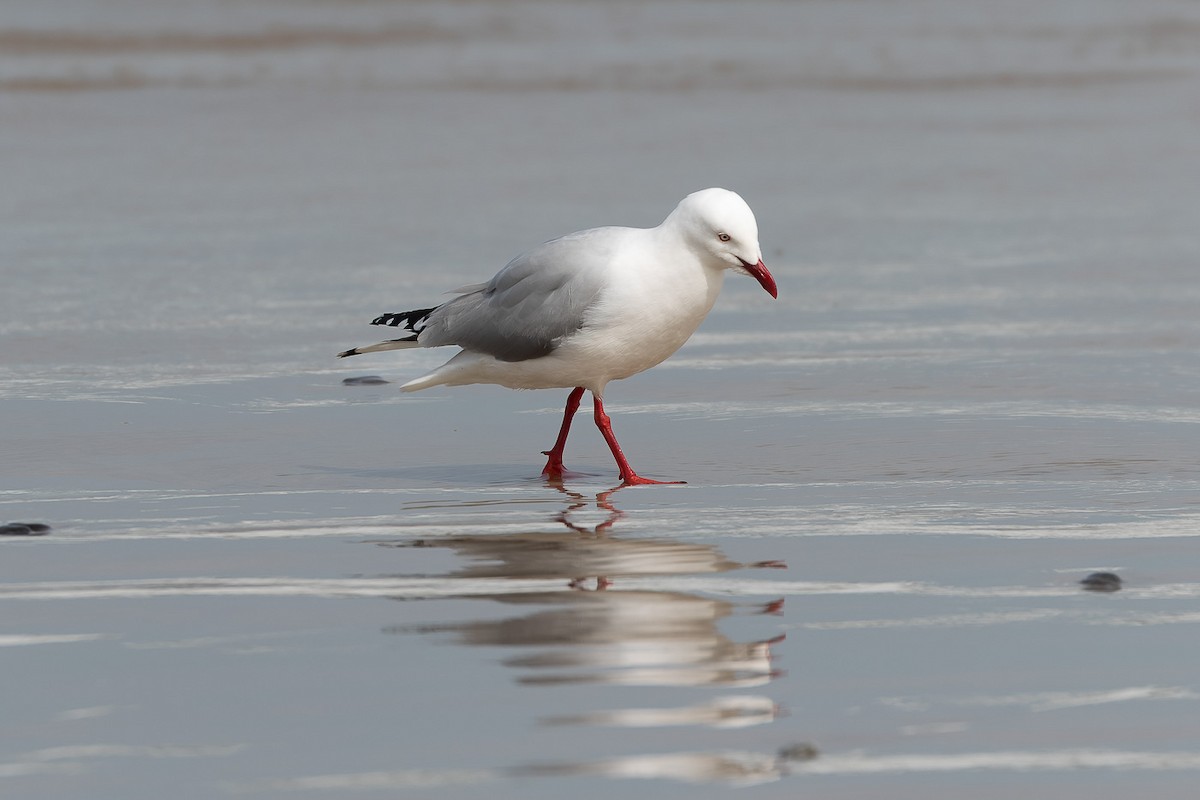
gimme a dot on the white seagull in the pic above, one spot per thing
(588, 308)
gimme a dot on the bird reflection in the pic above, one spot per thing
(592, 630)
(623, 637)
(731, 711)
(734, 768)
(580, 501)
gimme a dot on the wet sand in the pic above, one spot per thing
(978, 387)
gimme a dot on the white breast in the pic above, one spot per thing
(644, 318)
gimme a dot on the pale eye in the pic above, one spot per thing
(724, 237)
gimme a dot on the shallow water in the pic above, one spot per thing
(978, 386)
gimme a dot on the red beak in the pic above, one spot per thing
(760, 273)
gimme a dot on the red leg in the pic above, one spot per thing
(554, 466)
(628, 476)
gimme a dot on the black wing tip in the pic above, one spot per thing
(353, 351)
(408, 319)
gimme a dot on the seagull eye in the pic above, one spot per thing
(724, 237)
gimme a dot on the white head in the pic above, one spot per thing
(719, 224)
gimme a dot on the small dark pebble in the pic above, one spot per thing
(24, 529)
(364, 380)
(799, 752)
(1102, 582)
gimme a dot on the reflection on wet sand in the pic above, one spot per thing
(736, 768)
(616, 637)
(729, 767)
(587, 632)
(581, 553)
(578, 557)
(731, 711)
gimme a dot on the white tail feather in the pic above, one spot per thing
(418, 384)
(394, 344)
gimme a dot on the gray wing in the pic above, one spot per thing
(532, 304)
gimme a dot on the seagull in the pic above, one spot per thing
(587, 308)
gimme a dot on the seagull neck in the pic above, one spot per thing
(675, 238)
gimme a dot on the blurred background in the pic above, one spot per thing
(240, 167)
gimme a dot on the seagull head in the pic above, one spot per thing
(720, 227)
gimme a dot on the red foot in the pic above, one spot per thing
(555, 474)
(554, 468)
(773, 607)
(638, 480)
(628, 476)
(602, 583)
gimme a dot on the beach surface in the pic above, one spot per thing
(979, 386)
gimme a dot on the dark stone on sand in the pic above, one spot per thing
(364, 380)
(1101, 582)
(802, 751)
(24, 529)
